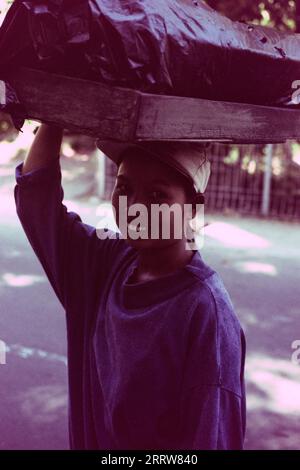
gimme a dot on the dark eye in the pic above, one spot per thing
(122, 187)
(158, 195)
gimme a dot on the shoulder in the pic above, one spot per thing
(229, 327)
(105, 251)
(112, 243)
(216, 330)
(213, 302)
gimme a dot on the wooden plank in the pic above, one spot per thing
(121, 114)
(83, 106)
(167, 117)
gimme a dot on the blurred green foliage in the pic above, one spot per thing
(280, 14)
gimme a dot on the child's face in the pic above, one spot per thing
(146, 181)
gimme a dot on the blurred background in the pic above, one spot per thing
(252, 239)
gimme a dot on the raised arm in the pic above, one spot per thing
(75, 260)
(44, 149)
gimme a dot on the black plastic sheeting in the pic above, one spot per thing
(176, 47)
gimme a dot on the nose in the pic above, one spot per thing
(137, 197)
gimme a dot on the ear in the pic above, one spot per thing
(198, 199)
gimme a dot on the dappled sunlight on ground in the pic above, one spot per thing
(26, 352)
(20, 280)
(274, 384)
(273, 403)
(256, 268)
(43, 404)
(234, 237)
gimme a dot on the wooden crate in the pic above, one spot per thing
(122, 114)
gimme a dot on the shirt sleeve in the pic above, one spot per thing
(212, 407)
(213, 419)
(69, 250)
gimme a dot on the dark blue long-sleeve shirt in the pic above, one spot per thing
(153, 365)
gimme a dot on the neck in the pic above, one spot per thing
(165, 260)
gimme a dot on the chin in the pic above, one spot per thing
(145, 244)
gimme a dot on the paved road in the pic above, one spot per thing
(259, 263)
